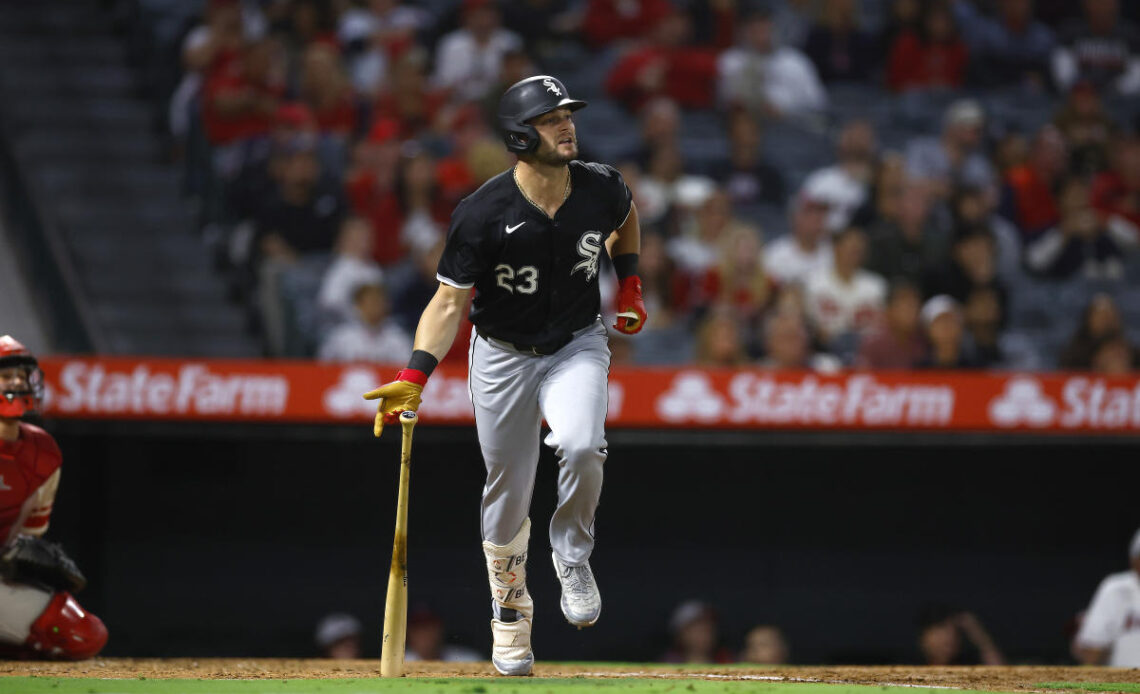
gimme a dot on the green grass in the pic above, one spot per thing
(1093, 686)
(579, 685)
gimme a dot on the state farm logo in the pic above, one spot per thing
(443, 397)
(98, 389)
(345, 399)
(692, 396)
(761, 398)
(1085, 403)
(1023, 402)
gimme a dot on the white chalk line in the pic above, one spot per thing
(753, 678)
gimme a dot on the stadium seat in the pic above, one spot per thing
(85, 140)
(790, 147)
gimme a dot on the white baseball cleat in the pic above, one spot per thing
(581, 601)
(511, 653)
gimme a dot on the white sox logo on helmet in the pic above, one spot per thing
(552, 87)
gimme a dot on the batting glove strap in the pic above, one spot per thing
(412, 376)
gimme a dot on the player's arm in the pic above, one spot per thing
(437, 328)
(624, 247)
(440, 320)
(36, 511)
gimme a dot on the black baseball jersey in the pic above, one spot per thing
(535, 278)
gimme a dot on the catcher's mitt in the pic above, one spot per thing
(33, 560)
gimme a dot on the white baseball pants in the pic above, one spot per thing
(512, 393)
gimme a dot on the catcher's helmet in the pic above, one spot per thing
(17, 402)
(526, 99)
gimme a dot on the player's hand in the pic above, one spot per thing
(630, 306)
(396, 397)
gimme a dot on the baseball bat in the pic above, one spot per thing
(396, 606)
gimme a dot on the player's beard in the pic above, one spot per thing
(550, 156)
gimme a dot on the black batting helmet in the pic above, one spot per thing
(526, 99)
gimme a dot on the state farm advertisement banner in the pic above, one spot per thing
(293, 391)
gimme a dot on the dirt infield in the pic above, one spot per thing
(1011, 678)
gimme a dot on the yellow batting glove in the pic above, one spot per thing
(396, 397)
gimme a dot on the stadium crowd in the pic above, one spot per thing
(822, 183)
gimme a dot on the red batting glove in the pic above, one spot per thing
(630, 306)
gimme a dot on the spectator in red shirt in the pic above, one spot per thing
(401, 198)
(371, 183)
(241, 95)
(607, 21)
(1029, 198)
(1116, 193)
(219, 37)
(933, 56)
(897, 341)
(666, 66)
(475, 155)
(326, 90)
(408, 100)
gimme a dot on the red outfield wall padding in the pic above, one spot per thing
(297, 391)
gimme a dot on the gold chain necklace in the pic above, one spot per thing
(565, 193)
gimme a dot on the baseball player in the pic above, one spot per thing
(1110, 630)
(39, 618)
(528, 242)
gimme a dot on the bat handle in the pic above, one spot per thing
(408, 419)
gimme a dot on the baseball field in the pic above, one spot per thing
(275, 676)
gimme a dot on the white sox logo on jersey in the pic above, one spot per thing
(589, 246)
(552, 87)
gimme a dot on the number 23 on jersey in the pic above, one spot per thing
(524, 280)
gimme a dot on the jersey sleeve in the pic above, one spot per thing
(620, 196)
(1101, 624)
(465, 258)
(36, 512)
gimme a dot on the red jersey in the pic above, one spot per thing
(690, 76)
(1034, 201)
(1111, 195)
(339, 118)
(29, 475)
(916, 65)
(227, 78)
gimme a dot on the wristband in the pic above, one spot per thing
(423, 362)
(625, 265)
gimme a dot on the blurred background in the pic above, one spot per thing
(823, 185)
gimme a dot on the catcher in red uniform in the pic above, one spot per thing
(39, 618)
